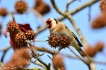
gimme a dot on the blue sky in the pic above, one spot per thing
(81, 19)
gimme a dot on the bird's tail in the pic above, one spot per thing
(81, 52)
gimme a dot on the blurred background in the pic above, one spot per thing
(82, 19)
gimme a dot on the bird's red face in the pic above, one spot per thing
(49, 23)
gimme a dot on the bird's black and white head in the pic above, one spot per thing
(51, 23)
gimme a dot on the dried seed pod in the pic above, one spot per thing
(54, 40)
(103, 5)
(3, 12)
(12, 27)
(20, 38)
(65, 41)
(99, 22)
(90, 51)
(99, 46)
(58, 62)
(30, 34)
(41, 7)
(21, 7)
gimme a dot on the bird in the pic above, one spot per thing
(57, 27)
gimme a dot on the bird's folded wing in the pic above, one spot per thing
(79, 44)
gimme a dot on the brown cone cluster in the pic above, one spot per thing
(3, 12)
(20, 38)
(30, 34)
(65, 41)
(12, 27)
(92, 50)
(21, 7)
(59, 40)
(57, 62)
(19, 61)
(103, 5)
(41, 7)
(54, 40)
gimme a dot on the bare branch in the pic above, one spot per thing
(78, 56)
(42, 49)
(38, 15)
(36, 56)
(39, 64)
(41, 29)
(68, 3)
(4, 49)
(90, 2)
(89, 13)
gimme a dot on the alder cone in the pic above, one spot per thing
(3, 12)
(30, 34)
(12, 27)
(21, 7)
(20, 38)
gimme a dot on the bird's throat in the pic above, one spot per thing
(50, 25)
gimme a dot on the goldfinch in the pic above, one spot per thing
(58, 27)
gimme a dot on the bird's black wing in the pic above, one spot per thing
(79, 43)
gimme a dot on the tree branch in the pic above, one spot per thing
(89, 3)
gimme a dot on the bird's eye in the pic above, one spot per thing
(48, 23)
(55, 20)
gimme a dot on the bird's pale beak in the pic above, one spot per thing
(46, 25)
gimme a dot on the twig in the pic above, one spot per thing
(89, 13)
(36, 56)
(88, 62)
(41, 29)
(39, 40)
(91, 66)
(11, 15)
(68, 55)
(90, 2)
(42, 49)
(77, 55)
(4, 49)
(2, 58)
(39, 64)
(68, 3)
(38, 15)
